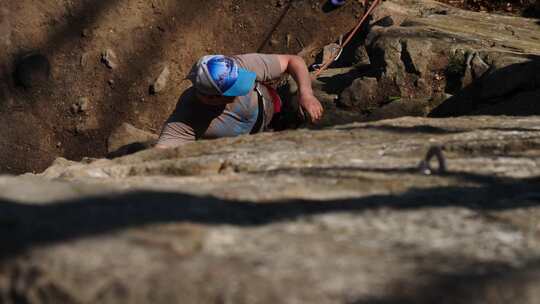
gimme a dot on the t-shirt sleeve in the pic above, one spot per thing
(175, 133)
(266, 66)
(179, 129)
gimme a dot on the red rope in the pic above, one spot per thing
(353, 32)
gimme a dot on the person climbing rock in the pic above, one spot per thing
(230, 97)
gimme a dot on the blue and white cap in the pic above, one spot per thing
(337, 2)
(220, 75)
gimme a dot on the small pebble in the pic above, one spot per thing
(108, 57)
(161, 82)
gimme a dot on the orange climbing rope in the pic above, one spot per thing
(353, 32)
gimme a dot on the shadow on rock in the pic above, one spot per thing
(24, 225)
(512, 90)
(406, 130)
(336, 84)
(130, 149)
(478, 282)
(427, 129)
(533, 10)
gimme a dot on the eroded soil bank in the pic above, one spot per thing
(73, 111)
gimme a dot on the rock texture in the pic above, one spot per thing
(340, 215)
(423, 51)
(127, 134)
(161, 81)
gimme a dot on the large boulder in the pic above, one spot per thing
(362, 94)
(127, 138)
(341, 215)
(427, 50)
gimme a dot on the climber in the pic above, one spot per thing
(230, 97)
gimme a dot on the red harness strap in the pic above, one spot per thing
(276, 100)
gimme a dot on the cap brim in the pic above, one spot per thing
(243, 84)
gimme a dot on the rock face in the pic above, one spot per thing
(362, 94)
(421, 51)
(513, 90)
(341, 214)
(126, 135)
(109, 59)
(344, 214)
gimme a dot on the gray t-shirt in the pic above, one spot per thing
(193, 119)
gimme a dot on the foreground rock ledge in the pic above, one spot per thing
(340, 215)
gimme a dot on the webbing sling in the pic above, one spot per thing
(260, 116)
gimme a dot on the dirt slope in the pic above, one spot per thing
(40, 123)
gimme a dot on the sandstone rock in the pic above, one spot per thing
(81, 106)
(384, 21)
(479, 66)
(74, 108)
(404, 59)
(127, 134)
(288, 39)
(426, 38)
(87, 123)
(161, 81)
(84, 104)
(400, 108)
(109, 59)
(330, 52)
(475, 67)
(86, 33)
(344, 207)
(363, 94)
(84, 60)
(361, 56)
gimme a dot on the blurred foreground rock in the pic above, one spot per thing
(333, 216)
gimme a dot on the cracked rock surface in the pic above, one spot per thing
(340, 215)
(426, 57)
